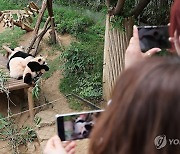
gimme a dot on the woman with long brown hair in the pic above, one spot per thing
(145, 104)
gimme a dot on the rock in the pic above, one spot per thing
(46, 133)
(47, 118)
(31, 147)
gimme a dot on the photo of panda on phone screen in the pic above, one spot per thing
(76, 126)
(153, 37)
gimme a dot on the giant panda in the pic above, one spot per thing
(82, 127)
(18, 52)
(35, 68)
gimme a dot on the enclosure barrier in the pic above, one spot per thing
(116, 42)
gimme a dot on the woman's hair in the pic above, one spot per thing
(175, 18)
(145, 104)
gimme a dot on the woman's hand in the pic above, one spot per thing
(133, 52)
(55, 146)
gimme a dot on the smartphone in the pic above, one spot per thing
(76, 126)
(154, 37)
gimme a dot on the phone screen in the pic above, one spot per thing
(153, 37)
(76, 126)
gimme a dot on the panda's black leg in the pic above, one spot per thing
(28, 78)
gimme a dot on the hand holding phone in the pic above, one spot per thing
(76, 126)
(153, 37)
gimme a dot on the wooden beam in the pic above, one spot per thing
(28, 6)
(40, 36)
(23, 26)
(7, 49)
(50, 12)
(34, 5)
(1, 17)
(36, 29)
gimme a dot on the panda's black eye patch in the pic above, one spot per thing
(39, 60)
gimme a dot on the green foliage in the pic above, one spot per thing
(89, 87)
(3, 78)
(75, 104)
(54, 65)
(10, 37)
(81, 67)
(37, 121)
(36, 89)
(9, 5)
(82, 59)
(71, 21)
(96, 5)
(118, 22)
(78, 61)
(15, 136)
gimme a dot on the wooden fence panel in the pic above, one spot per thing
(115, 44)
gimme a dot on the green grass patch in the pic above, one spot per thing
(9, 5)
(54, 65)
(83, 59)
(10, 38)
(71, 21)
(75, 104)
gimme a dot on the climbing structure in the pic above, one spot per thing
(20, 18)
(48, 25)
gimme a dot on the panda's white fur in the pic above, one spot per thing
(17, 66)
(17, 61)
(35, 67)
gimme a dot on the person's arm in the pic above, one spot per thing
(133, 52)
(55, 146)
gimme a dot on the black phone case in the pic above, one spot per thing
(153, 37)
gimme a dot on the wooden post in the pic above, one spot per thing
(23, 26)
(50, 11)
(40, 36)
(1, 17)
(31, 104)
(106, 87)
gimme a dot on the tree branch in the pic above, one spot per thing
(119, 7)
(139, 8)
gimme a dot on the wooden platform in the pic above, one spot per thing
(13, 84)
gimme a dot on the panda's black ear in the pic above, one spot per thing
(34, 66)
(45, 67)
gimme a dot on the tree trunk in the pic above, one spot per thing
(139, 8)
(115, 45)
(119, 7)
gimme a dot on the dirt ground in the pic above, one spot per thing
(49, 93)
